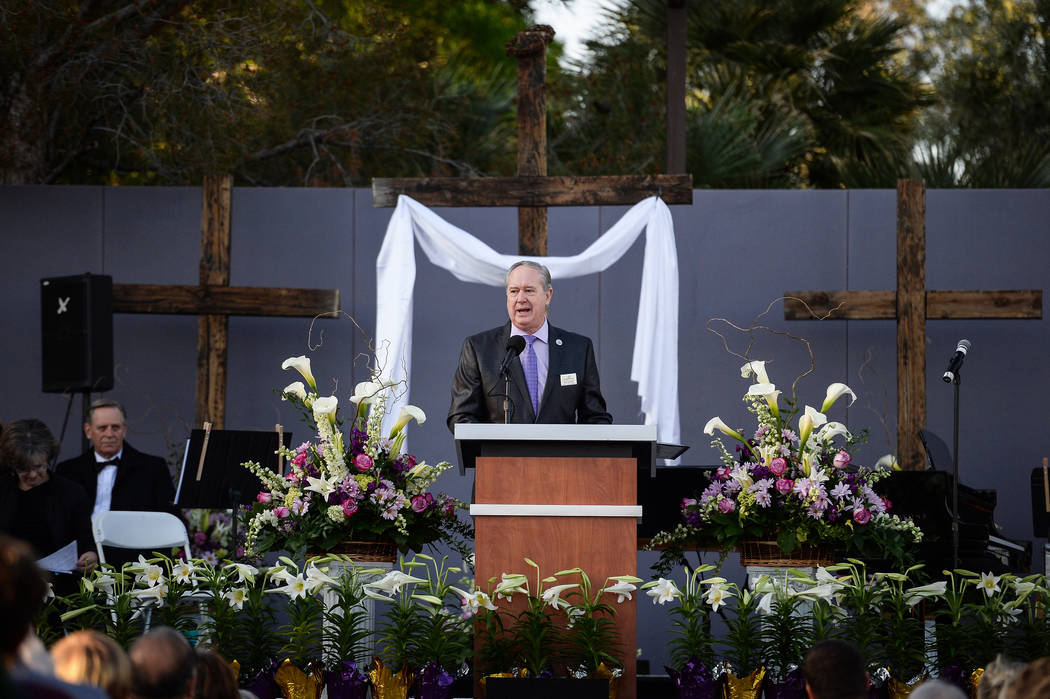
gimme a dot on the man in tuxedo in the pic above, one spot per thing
(553, 380)
(115, 475)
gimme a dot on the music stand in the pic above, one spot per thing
(212, 476)
(1040, 501)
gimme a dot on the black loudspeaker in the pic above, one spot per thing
(76, 319)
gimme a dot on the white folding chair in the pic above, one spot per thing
(153, 531)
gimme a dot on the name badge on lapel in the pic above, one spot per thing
(568, 379)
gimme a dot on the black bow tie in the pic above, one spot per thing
(99, 465)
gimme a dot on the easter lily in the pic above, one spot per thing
(552, 595)
(917, 594)
(320, 485)
(662, 591)
(296, 588)
(836, 391)
(622, 589)
(236, 596)
(989, 583)
(245, 572)
(302, 365)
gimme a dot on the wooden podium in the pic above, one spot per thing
(564, 496)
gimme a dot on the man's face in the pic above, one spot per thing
(526, 299)
(106, 431)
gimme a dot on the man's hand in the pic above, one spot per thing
(87, 562)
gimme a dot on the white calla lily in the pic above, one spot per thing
(296, 388)
(716, 423)
(836, 391)
(769, 392)
(302, 365)
(888, 461)
(831, 430)
(407, 414)
(810, 420)
(757, 368)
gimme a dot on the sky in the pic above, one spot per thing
(577, 20)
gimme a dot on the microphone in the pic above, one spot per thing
(956, 361)
(515, 345)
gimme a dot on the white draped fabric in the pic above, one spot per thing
(655, 362)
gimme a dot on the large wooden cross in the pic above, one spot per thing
(532, 191)
(214, 300)
(911, 305)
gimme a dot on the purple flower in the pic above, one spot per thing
(759, 472)
(725, 506)
(840, 491)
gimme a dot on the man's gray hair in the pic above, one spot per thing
(545, 274)
(105, 403)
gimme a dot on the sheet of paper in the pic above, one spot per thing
(63, 560)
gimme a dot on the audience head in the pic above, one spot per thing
(22, 590)
(834, 669)
(106, 427)
(215, 676)
(997, 674)
(1032, 682)
(937, 689)
(27, 449)
(163, 665)
(89, 657)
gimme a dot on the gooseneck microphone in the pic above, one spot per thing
(514, 347)
(955, 363)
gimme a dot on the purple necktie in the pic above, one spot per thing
(532, 374)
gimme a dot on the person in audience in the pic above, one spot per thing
(1032, 682)
(89, 657)
(163, 665)
(997, 674)
(215, 677)
(46, 510)
(834, 669)
(115, 475)
(937, 689)
(22, 589)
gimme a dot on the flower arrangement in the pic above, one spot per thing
(796, 486)
(358, 486)
(210, 533)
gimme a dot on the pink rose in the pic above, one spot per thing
(784, 485)
(264, 497)
(299, 459)
(861, 516)
(349, 507)
(887, 504)
(842, 459)
(778, 465)
(722, 473)
(281, 511)
(363, 462)
(419, 503)
(725, 506)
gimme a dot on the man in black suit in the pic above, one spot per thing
(555, 378)
(115, 475)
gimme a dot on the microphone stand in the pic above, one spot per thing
(506, 395)
(956, 380)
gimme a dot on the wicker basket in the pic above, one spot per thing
(768, 553)
(376, 551)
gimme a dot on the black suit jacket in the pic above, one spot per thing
(143, 482)
(68, 512)
(478, 387)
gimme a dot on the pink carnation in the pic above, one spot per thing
(725, 506)
(784, 485)
(349, 507)
(842, 459)
(281, 511)
(778, 465)
(264, 497)
(861, 516)
(363, 462)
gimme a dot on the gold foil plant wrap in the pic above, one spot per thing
(604, 673)
(975, 681)
(749, 687)
(296, 684)
(900, 690)
(387, 684)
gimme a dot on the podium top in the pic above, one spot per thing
(472, 439)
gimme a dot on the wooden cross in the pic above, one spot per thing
(215, 300)
(532, 191)
(911, 304)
